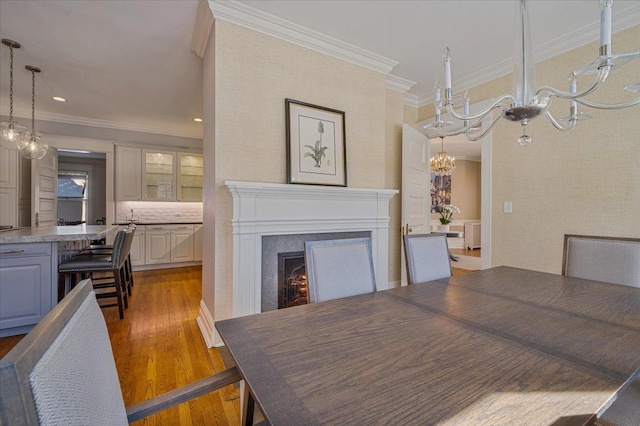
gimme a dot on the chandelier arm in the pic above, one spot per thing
(599, 105)
(484, 133)
(602, 76)
(439, 132)
(552, 120)
(482, 113)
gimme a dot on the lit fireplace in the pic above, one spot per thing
(292, 280)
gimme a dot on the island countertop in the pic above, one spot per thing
(47, 234)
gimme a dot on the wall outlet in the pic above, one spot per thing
(508, 207)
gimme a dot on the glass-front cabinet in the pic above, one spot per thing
(190, 177)
(159, 171)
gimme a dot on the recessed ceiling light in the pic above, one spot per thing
(59, 99)
(198, 120)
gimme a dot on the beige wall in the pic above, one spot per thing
(254, 73)
(585, 181)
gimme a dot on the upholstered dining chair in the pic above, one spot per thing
(63, 372)
(609, 259)
(427, 257)
(339, 268)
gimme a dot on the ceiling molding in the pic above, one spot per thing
(411, 100)
(265, 23)
(201, 29)
(585, 35)
(94, 122)
(398, 84)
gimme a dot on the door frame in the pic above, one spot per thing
(92, 145)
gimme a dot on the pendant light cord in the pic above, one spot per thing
(10, 84)
(33, 104)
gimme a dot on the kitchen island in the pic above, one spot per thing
(29, 260)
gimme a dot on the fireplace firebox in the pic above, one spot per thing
(292, 280)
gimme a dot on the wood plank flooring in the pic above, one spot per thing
(158, 347)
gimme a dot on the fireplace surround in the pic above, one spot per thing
(268, 209)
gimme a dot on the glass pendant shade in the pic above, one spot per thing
(11, 133)
(35, 148)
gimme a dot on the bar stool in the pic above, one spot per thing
(103, 249)
(114, 263)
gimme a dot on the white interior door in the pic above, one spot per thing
(416, 195)
(44, 188)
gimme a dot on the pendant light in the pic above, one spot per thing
(11, 133)
(34, 147)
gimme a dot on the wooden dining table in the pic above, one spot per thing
(499, 346)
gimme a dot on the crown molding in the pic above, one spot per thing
(398, 84)
(201, 29)
(578, 38)
(94, 122)
(256, 20)
(411, 100)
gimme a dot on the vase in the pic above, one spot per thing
(444, 228)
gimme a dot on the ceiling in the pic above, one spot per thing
(129, 62)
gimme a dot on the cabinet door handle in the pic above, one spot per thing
(12, 252)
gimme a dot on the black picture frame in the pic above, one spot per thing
(316, 144)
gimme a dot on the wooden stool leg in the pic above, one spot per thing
(116, 277)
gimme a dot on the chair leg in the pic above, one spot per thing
(123, 289)
(116, 277)
(129, 273)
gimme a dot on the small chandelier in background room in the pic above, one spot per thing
(33, 147)
(528, 101)
(11, 133)
(443, 164)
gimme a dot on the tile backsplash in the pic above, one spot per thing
(158, 211)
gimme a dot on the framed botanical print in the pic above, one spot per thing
(316, 149)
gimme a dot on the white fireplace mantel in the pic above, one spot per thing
(278, 209)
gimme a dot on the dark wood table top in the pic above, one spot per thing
(500, 346)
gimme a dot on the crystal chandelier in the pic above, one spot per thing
(526, 102)
(11, 133)
(33, 147)
(443, 164)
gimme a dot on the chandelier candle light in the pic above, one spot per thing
(526, 102)
(34, 147)
(11, 133)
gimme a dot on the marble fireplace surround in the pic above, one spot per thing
(263, 209)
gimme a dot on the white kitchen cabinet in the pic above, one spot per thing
(190, 176)
(128, 173)
(26, 293)
(159, 175)
(197, 242)
(12, 187)
(157, 244)
(8, 207)
(138, 245)
(182, 243)
(8, 167)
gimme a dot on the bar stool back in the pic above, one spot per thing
(114, 263)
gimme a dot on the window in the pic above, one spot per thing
(72, 197)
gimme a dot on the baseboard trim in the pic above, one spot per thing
(164, 266)
(205, 323)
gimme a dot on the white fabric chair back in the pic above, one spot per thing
(339, 268)
(427, 257)
(609, 259)
(63, 372)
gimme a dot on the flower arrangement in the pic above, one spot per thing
(446, 213)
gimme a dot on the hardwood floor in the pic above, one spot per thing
(158, 347)
(465, 252)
